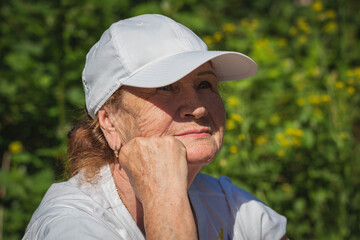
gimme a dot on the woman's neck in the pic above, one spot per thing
(127, 195)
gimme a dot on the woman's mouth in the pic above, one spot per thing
(195, 133)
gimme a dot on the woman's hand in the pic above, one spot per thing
(157, 169)
(156, 166)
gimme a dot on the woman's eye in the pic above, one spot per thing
(204, 84)
(165, 88)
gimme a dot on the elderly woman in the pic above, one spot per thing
(155, 119)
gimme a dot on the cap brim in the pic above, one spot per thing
(228, 66)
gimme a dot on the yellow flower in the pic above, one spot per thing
(244, 22)
(354, 73)
(343, 135)
(318, 112)
(325, 98)
(292, 137)
(218, 36)
(261, 140)
(229, 27)
(298, 132)
(274, 119)
(254, 24)
(284, 142)
(350, 73)
(233, 101)
(330, 27)
(282, 42)
(314, 72)
(293, 31)
(302, 24)
(233, 149)
(281, 153)
(280, 136)
(339, 85)
(303, 39)
(230, 124)
(316, 100)
(330, 14)
(263, 43)
(208, 40)
(236, 117)
(300, 21)
(289, 131)
(223, 162)
(296, 142)
(294, 132)
(357, 71)
(317, 6)
(15, 147)
(241, 137)
(350, 90)
(300, 102)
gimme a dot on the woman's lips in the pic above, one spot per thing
(195, 133)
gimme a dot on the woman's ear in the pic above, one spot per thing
(109, 129)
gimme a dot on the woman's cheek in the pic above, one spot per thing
(217, 111)
(153, 122)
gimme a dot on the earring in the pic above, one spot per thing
(116, 152)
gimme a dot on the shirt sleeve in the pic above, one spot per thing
(253, 218)
(69, 225)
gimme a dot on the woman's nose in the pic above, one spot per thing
(192, 107)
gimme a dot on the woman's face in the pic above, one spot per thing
(190, 110)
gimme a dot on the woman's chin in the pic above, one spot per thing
(201, 151)
(198, 155)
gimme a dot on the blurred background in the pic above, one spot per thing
(293, 130)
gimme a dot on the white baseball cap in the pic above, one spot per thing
(152, 51)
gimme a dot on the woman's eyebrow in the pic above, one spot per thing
(206, 73)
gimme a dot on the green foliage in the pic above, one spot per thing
(293, 130)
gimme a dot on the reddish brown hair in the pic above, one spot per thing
(88, 149)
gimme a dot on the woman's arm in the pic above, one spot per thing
(158, 171)
(169, 218)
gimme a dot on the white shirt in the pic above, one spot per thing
(79, 210)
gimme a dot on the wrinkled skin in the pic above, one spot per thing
(190, 110)
(166, 136)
